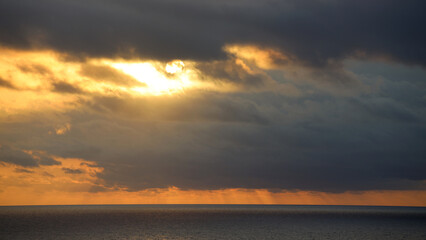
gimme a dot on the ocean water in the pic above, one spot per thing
(212, 222)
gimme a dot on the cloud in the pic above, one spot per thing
(6, 84)
(25, 158)
(311, 32)
(69, 176)
(193, 106)
(232, 71)
(72, 171)
(249, 62)
(34, 68)
(308, 113)
(317, 157)
(23, 170)
(63, 129)
(208, 140)
(64, 87)
(108, 74)
(314, 141)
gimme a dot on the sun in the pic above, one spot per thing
(171, 79)
(175, 66)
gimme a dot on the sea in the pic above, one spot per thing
(212, 222)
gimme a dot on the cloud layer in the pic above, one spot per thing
(286, 95)
(311, 32)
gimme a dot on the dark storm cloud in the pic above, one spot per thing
(318, 139)
(230, 71)
(385, 108)
(310, 32)
(195, 106)
(19, 157)
(315, 141)
(323, 155)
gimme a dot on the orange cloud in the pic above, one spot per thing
(26, 74)
(62, 130)
(71, 175)
(265, 58)
(76, 181)
(72, 182)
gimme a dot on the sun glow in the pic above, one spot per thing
(171, 79)
(175, 67)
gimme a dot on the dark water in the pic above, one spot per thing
(211, 222)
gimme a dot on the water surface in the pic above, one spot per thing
(212, 222)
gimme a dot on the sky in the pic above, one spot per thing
(222, 102)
